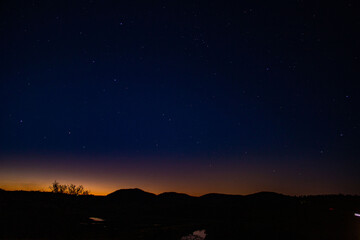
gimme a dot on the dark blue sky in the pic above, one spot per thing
(213, 80)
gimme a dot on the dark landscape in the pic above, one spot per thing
(136, 214)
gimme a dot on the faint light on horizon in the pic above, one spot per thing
(96, 219)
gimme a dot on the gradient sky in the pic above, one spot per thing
(188, 96)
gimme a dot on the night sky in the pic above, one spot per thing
(189, 96)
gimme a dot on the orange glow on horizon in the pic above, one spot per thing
(157, 175)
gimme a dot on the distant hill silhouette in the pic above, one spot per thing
(221, 196)
(133, 195)
(267, 196)
(135, 214)
(174, 196)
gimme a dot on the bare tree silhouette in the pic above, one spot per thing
(55, 187)
(71, 189)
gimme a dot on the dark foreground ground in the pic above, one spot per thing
(134, 214)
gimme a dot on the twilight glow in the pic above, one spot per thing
(103, 175)
(185, 97)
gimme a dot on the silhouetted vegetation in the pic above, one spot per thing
(68, 189)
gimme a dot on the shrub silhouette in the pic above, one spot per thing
(71, 189)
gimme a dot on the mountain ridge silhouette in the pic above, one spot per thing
(138, 191)
(137, 214)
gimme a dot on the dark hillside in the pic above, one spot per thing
(135, 214)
